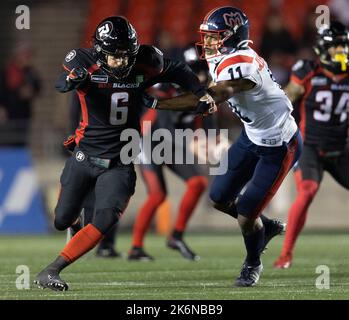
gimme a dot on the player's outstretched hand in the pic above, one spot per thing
(206, 106)
(149, 101)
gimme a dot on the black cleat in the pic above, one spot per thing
(275, 228)
(50, 279)
(249, 276)
(107, 253)
(138, 254)
(181, 246)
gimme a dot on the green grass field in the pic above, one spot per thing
(172, 277)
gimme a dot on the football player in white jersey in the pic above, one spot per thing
(269, 143)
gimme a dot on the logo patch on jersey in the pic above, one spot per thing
(99, 78)
(126, 85)
(139, 78)
(233, 19)
(104, 30)
(80, 156)
(70, 56)
(318, 81)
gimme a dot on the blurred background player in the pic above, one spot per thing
(153, 174)
(19, 86)
(322, 88)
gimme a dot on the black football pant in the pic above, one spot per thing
(113, 188)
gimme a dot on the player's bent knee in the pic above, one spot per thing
(64, 217)
(107, 218)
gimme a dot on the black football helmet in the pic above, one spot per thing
(333, 35)
(232, 27)
(115, 36)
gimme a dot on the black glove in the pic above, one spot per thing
(77, 77)
(205, 106)
(149, 101)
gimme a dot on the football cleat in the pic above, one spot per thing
(249, 276)
(138, 254)
(181, 246)
(50, 279)
(275, 228)
(107, 253)
(283, 262)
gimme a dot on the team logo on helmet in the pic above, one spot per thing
(233, 19)
(104, 30)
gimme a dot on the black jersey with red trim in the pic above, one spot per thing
(324, 106)
(109, 105)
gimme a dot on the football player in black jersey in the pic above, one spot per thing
(322, 86)
(110, 79)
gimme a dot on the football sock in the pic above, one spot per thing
(145, 217)
(82, 242)
(195, 187)
(254, 244)
(297, 214)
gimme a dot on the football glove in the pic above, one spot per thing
(206, 106)
(149, 101)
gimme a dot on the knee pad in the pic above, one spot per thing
(105, 219)
(308, 188)
(197, 183)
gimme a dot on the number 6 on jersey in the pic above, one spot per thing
(118, 110)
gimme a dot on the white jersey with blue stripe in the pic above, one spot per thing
(265, 109)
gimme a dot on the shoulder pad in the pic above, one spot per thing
(235, 66)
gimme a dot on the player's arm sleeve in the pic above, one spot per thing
(72, 60)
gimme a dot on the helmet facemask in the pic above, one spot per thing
(212, 43)
(124, 58)
(333, 50)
